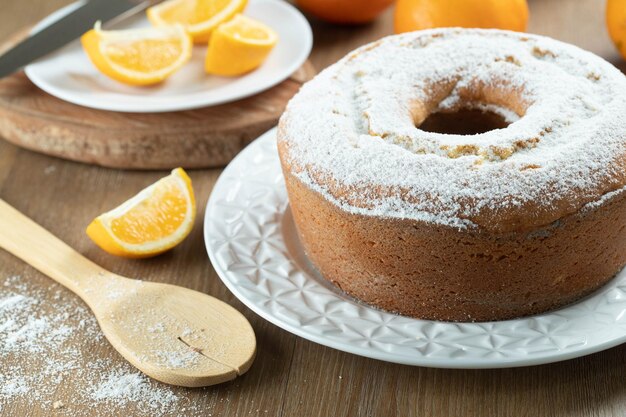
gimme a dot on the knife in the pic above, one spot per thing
(66, 29)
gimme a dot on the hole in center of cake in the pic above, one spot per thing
(464, 121)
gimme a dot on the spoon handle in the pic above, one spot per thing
(36, 246)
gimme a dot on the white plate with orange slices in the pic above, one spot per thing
(71, 75)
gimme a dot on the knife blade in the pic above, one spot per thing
(64, 30)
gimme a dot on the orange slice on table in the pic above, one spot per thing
(138, 56)
(150, 223)
(239, 46)
(199, 17)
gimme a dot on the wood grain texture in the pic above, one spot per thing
(291, 376)
(201, 138)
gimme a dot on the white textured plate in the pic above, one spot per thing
(253, 246)
(69, 75)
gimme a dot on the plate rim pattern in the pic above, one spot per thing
(243, 231)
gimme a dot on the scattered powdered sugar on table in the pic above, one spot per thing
(13, 386)
(49, 169)
(48, 353)
(116, 386)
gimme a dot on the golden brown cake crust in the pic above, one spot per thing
(442, 273)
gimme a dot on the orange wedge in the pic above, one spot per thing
(239, 46)
(200, 17)
(150, 223)
(138, 56)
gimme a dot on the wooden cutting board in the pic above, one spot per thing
(201, 138)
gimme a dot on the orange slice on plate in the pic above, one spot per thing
(239, 46)
(150, 223)
(200, 17)
(138, 56)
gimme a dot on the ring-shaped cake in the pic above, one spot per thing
(461, 174)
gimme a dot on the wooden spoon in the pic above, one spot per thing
(173, 334)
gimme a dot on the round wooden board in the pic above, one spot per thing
(201, 138)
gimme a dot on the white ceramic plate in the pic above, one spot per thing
(69, 75)
(253, 246)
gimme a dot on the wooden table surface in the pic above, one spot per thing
(292, 376)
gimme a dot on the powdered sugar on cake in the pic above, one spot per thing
(351, 132)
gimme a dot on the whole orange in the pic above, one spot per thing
(344, 11)
(616, 23)
(413, 15)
